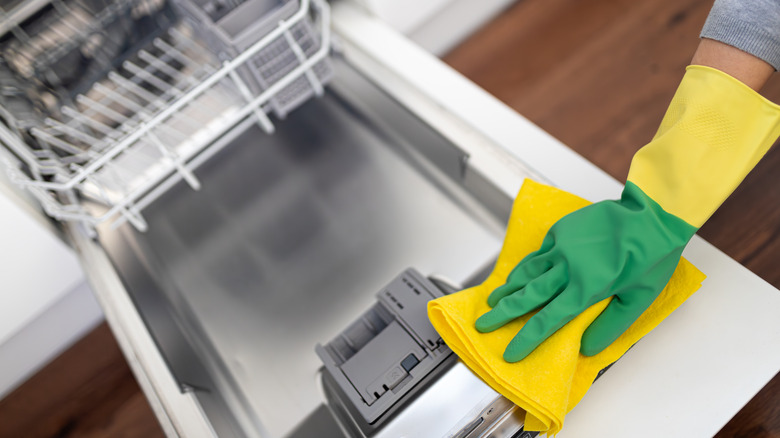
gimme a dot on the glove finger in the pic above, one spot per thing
(613, 321)
(535, 294)
(529, 269)
(541, 326)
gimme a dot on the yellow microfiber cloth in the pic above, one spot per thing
(553, 378)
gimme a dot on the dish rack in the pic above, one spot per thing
(155, 109)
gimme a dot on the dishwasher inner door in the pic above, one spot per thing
(288, 240)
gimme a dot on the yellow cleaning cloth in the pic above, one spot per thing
(553, 379)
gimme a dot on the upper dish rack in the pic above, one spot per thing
(159, 106)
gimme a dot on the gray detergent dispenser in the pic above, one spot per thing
(390, 353)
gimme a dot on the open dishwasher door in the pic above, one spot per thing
(289, 240)
(401, 163)
(222, 300)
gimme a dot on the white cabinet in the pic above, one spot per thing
(45, 303)
(406, 15)
(436, 25)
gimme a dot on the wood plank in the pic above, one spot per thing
(598, 75)
(88, 391)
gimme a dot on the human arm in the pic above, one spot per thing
(715, 131)
(748, 69)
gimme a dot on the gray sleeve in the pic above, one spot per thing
(752, 26)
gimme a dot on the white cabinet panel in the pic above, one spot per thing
(36, 268)
(436, 25)
(405, 15)
(45, 303)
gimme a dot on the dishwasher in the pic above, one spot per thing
(274, 214)
(264, 195)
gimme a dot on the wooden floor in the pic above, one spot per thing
(87, 392)
(598, 75)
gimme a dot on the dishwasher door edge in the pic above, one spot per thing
(178, 412)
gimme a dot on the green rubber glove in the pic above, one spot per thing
(715, 131)
(627, 249)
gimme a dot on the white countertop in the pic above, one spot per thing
(695, 371)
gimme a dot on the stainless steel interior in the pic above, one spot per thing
(288, 241)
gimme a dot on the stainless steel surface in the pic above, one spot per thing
(289, 239)
(178, 413)
(500, 419)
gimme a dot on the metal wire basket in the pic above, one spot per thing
(229, 28)
(112, 149)
(70, 45)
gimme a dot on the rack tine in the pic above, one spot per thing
(54, 141)
(149, 97)
(178, 35)
(141, 112)
(56, 30)
(164, 67)
(122, 100)
(131, 214)
(315, 83)
(134, 217)
(95, 124)
(190, 50)
(120, 119)
(71, 131)
(161, 63)
(262, 117)
(66, 12)
(159, 84)
(151, 79)
(176, 161)
(15, 29)
(176, 53)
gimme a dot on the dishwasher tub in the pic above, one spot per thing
(288, 240)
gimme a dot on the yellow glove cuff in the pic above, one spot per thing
(715, 131)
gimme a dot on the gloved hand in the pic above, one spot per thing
(627, 249)
(715, 130)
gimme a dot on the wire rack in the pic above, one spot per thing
(228, 29)
(113, 149)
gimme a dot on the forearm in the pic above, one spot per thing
(748, 69)
(726, 128)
